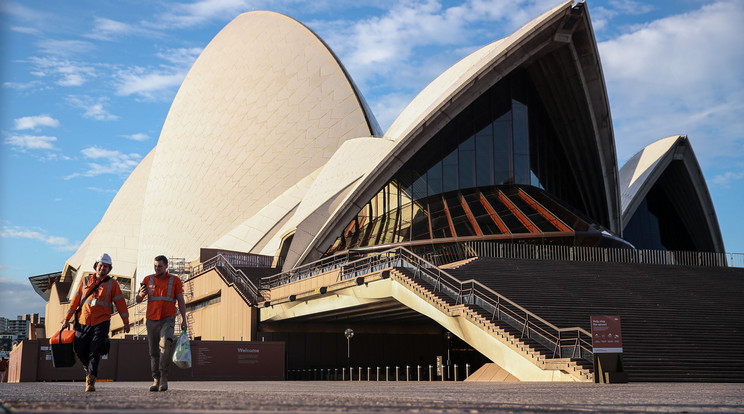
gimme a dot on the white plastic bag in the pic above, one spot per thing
(182, 353)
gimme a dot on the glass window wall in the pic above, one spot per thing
(504, 138)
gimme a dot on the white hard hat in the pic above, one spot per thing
(104, 258)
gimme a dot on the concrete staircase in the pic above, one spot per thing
(679, 323)
(499, 330)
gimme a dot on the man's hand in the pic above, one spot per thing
(184, 325)
(65, 324)
(126, 328)
(141, 293)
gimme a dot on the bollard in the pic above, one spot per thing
(378, 374)
(418, 372)
(431, 373)
(360, 373)
(369, 371)
(387, 373)
(315, 374)
(467, 371)
(408, 372)
(328, 375)
(343, 374)
(455, 372)
(335, 374)
(397, 372)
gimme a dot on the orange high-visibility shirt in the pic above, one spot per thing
(161, 296)
(99, 306)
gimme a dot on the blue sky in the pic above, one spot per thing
(85, 87)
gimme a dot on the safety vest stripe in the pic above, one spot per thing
(124, 315)
(99, 303)
(117, 298)
(162, 298)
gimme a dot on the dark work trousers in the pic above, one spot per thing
(89, 342)
(160, 339)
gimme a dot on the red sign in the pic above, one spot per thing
(606, 335)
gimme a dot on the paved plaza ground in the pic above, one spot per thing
(365, 397)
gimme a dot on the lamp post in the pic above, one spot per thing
(448, 335)
(348, 333)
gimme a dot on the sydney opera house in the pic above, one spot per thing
(487, 224)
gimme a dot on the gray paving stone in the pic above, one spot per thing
(366, 397)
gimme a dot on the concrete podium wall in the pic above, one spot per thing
(128, 360)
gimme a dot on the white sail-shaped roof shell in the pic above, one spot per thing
(688, 190)
(263, 108)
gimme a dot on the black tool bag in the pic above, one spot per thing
(63, 354)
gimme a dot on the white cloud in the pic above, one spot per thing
(105, 29)
(33, 122)
(726, 179)
(65, 47)
(66, 72)
(153, 85)
(31, 142)
(137, 137)
(21, 12)
(53, 156)
(680, 75)
(22, 85)
(382, 48)
(26, 30)
(161, 83)
(109, 29)
(17, 232)
(612, 9)
(183, 57)
(194, 14)
(93, 107)
(101, 190)
(114, 162)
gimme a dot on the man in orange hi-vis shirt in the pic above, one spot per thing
(163, 290)
(92, 322)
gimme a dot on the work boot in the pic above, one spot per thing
(155, 384)
(90, 383)
(163, 384)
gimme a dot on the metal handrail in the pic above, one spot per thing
(471, 292)
(315, 268)
(530, 325)
(235, 276)
(453, 252)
